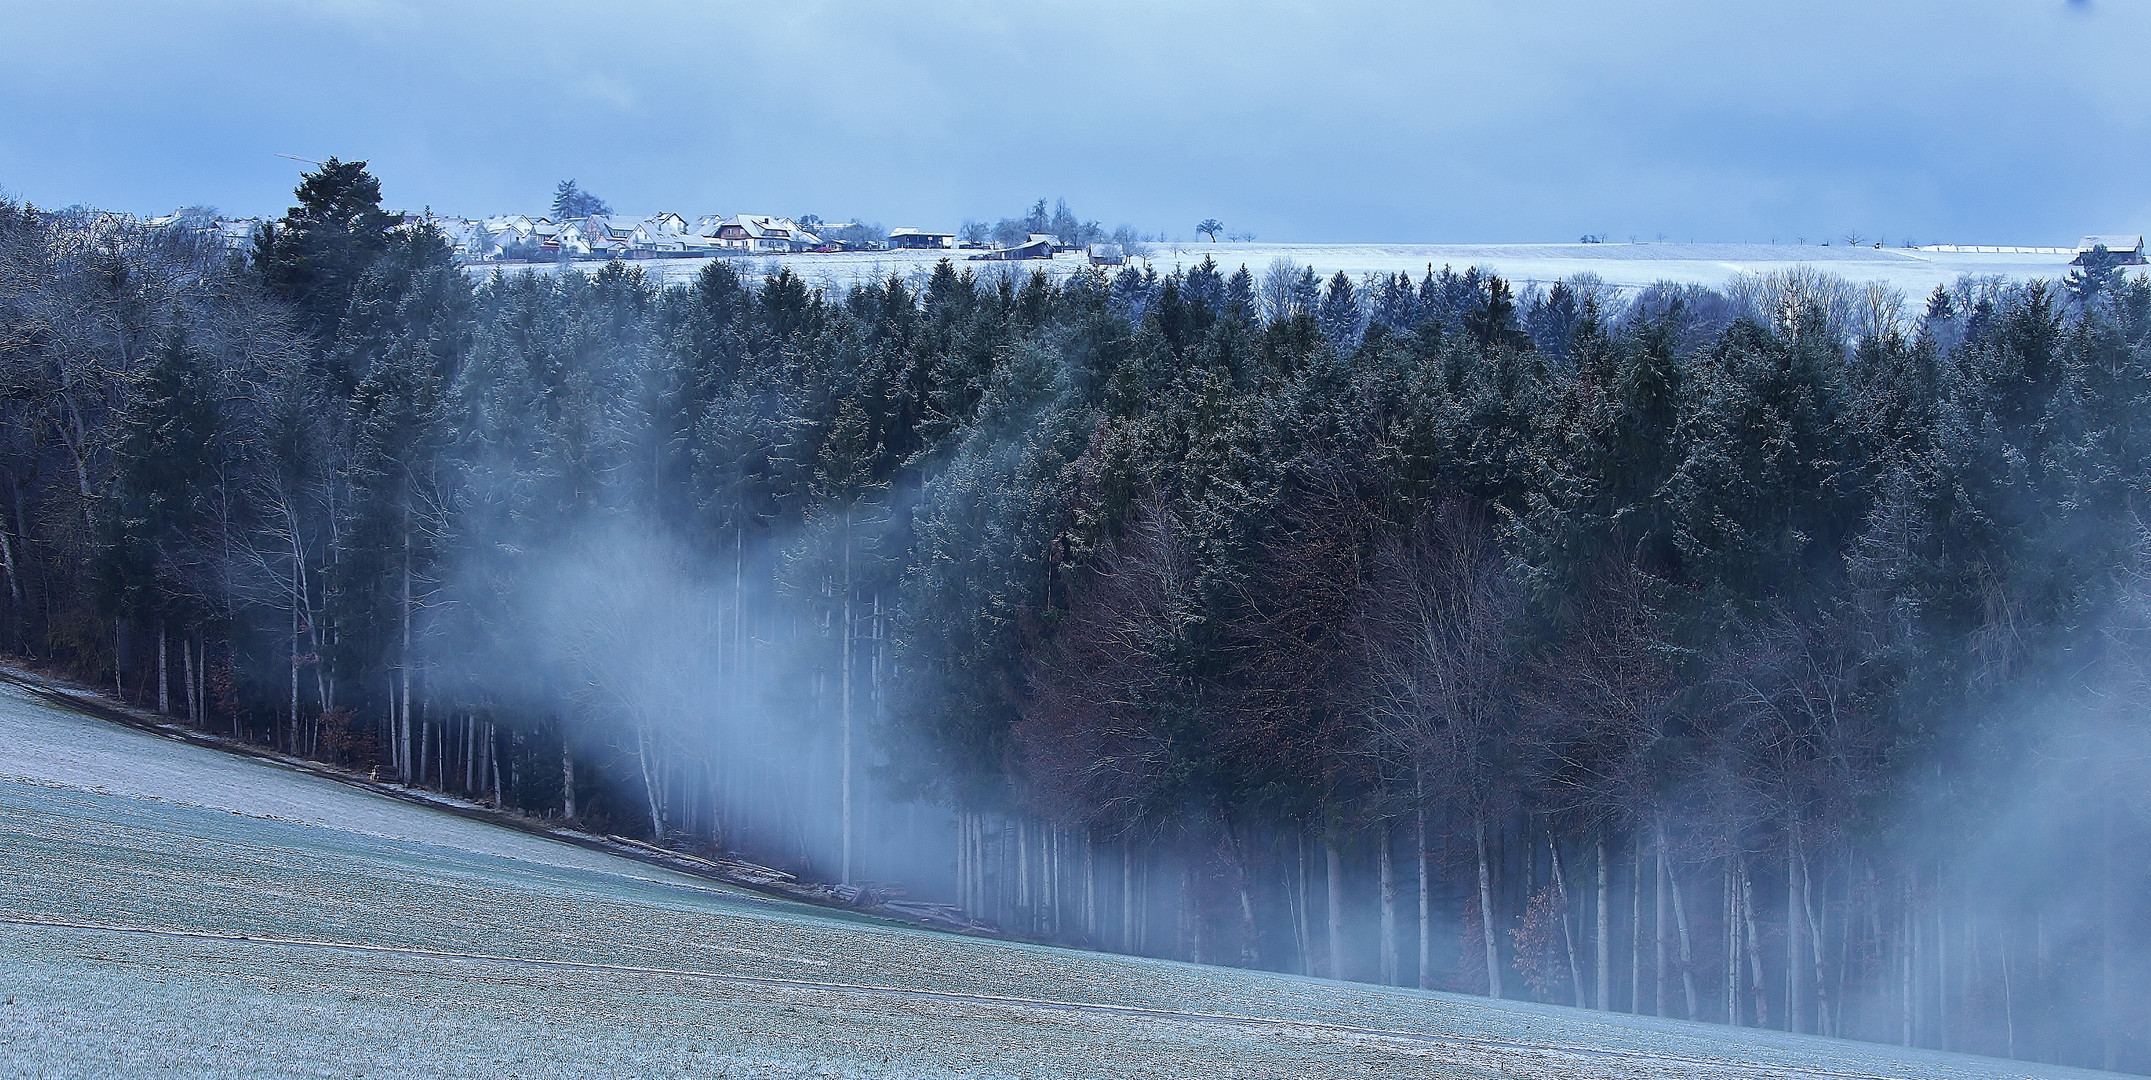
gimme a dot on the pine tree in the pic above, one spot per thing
(1339, 314)
(152, 564)
(315, 255)
(570, 201)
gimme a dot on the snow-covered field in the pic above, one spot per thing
(166, 909)
(1914, 272)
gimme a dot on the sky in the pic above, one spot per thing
(1975, 121)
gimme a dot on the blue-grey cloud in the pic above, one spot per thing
(1467, 121)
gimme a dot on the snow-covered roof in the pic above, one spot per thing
(2111, 242)
(765, 226)
(907, 230)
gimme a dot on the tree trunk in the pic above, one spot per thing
(186, 677)
(1671, 881)
(1302, 935)
(1568, 933)
(1090, 887)
(492, 761)
(1731, 941)
(403, 728)
(164, 667)
(1190, 919)
(1128, 942)
(1755, 947)
(1387, 869)
(1243, 891)
(1426, 895)
(1635, 928)
(1605, 927)
(1334, 882)
(1817, 934)
(14, 591)
(298, 600)
(1486, 908)
(1941, 960)
(2109, 937)
(845, 697)
(567, 777)
(1026, 911)
(1658, 930)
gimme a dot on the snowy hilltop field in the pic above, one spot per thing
(168, 909)
(1912, 271)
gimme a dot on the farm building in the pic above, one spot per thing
(920, 238)
(1107, 255)
(1037, 247)
(2129, 247)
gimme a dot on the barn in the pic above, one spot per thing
(1037, 247)
(920, 238)
(2130, 247)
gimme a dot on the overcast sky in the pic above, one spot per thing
(2005, 121)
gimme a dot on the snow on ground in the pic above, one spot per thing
(1913, 271)
(167, 908)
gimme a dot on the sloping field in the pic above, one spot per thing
(170, 910)
(1912, 271)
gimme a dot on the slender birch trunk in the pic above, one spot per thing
(14, 593)
(1755, 947)
(1671, 881)
(567, 776)
(298, 561)
(1334, 888)
(492, 760)
(1795, 928)
(1605, 927)
(1303, 937)
(1635, 929)
(1731, 942)
(1387, 870)
(1128, 941)
(1486, 908)
(1568, 933)
(403, 727)
(164, 667)
(846, 795)
(1090, 886)
(1658, 929)
(1426, 895)
(186, 679)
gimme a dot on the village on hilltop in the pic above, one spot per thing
(524, 238)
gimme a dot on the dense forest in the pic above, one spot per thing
(1774, 655)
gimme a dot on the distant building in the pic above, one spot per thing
(905, 238)
(609, 235)
(1107, 255)
(761, 233)
(1037, 247)
(659, 235)
(2129, 248)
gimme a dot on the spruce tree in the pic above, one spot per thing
(315, 254)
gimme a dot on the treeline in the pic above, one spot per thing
(1771, 655)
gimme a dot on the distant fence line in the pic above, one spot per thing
(1996, 249)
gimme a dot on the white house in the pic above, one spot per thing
(763, 233)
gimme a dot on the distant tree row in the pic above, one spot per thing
(1772, 655)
